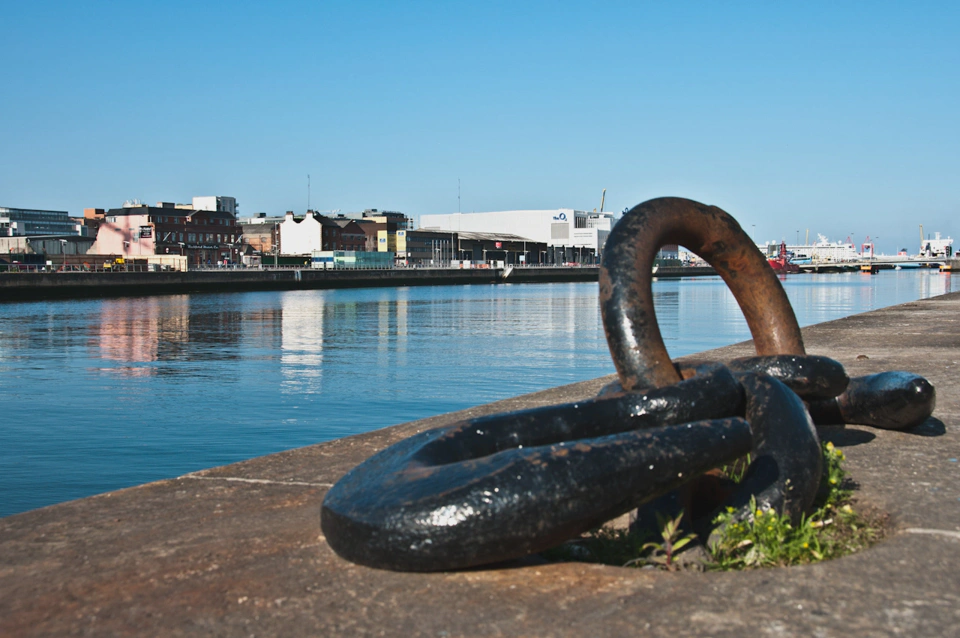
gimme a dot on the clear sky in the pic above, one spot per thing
(840, 118)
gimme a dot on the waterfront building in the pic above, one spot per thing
(352, 259)
(570, 235)
(352, 237)
(309, 233)
(44, 246)
(23, 222)
(477, 248)
(260, 238)
(205, 236)
(426, 247)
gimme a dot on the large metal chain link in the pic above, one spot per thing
(503, 486)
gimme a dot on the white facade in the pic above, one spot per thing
(216, 203)
(559, 227)
(300, 238)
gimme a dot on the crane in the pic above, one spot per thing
(603, 196)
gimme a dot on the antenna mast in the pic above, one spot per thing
(308, 191)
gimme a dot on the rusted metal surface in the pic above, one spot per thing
(503, 486)
(626, 295)
(500, 487)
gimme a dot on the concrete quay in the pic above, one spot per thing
(29, 286)
(237, 550)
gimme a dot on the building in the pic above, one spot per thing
(46, 245)
(426, 247)
(570, 235)
(216, 203)
(22, 222)
(205, 237)
(352, 237)
(313, 232)
(379, 227)
(510, 249)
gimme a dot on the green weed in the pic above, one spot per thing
(766, 539)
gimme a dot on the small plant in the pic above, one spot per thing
(663, 554)
(765, 539)
(737, 470)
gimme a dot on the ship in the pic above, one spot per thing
(821, 252)
(782, 264)
(936, 247)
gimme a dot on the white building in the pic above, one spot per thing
(572, 235)
(216, 203)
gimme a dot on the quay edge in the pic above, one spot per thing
(237, 550)
(63, 285)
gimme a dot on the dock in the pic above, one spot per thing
(26, 286)
(238, 551)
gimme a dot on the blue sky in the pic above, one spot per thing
(837, 119)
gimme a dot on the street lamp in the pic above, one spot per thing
(63, 250)
(276, 242)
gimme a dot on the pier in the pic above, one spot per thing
(32, 285)
(237, 550)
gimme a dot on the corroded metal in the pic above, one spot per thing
(503, 486)
(626, 295)
(893, 400)
(499, 487)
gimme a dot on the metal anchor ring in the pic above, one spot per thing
(502, 486)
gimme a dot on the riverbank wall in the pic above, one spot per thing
(62, 285)
(238, 550)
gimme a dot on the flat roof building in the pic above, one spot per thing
(20, 222)
(571, 235)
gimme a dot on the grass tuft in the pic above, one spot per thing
(834, 528)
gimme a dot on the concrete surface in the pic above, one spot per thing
(237, 550)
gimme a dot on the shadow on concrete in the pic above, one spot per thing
(931, 427)
(844, 436)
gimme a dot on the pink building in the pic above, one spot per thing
(204, 236)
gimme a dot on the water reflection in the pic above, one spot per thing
(201, 380)
(301, 344)
(134, 331)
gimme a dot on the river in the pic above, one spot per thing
(103, 394)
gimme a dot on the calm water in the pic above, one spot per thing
(103, 394)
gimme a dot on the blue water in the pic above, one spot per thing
(103, 394)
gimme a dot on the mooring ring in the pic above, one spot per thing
(626, 293)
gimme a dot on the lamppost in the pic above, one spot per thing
(63, 250)
(276, 242)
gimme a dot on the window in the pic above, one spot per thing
(190, 237)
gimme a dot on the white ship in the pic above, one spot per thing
(936, 247)
(823, 251)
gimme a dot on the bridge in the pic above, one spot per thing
(881, 262)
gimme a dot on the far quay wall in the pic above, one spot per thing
(64, 285)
